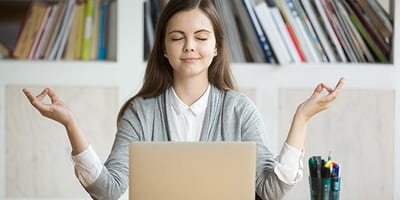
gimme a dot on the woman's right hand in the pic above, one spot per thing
(57, 110)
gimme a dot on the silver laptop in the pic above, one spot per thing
(184, 170)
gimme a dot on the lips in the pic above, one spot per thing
(190, 60)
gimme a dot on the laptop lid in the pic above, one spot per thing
(199, 170)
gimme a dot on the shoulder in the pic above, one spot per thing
(143, 104)
(140, 106)
(238, 100)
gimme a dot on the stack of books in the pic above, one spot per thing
(69, 29)
(297, 31)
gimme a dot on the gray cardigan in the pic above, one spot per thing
(230, 116)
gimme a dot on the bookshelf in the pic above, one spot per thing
(126, 73)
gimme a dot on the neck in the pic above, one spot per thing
(190, 90)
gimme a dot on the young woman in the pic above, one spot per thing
(188, 95)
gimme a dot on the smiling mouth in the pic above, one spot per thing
(190, 60)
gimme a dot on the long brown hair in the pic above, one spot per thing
(159, 73)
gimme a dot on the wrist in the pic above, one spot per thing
(70, 124)
(300, 118)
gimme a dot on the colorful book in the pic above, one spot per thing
(73, 34)
(323, 37)
(30, 30)
(260, 35)
(40, 34)
(88, 30)
(94, 43)
(81, 27)
(102, 51)
(265, 18)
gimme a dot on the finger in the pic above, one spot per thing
(317, 90)
(340, 83)
(28, 94)
(35, 102)
(52, 95)
(337, 89)
(42, 95)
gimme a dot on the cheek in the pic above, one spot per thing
(206, 50)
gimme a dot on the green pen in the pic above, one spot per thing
(311, 163)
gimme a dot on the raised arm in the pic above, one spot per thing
(59, 112)
(313, 105)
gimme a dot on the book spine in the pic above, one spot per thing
(260, 35)
(319, 31)
(40, 33)
(276, 15)
(308, 41)
(102, 40)
(30, 30)
(267, 23)
(81, 27)
(88, 30)
(331, 32)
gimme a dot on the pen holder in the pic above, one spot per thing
(324, 188)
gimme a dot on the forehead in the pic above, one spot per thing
(189, 21)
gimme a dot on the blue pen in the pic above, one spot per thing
(335, 183)
(337, 170)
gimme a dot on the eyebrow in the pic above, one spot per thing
(178, 31)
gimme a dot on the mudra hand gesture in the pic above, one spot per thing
(317, 103)
(57, 110)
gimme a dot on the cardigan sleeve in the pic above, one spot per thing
(268, 184)
(114, 176)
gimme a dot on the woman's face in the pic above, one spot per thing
(190, 44)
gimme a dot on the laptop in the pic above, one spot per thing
(192, 170)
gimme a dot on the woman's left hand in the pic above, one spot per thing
(317, 103)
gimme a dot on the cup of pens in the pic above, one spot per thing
(324, 178)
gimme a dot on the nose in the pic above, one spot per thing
(189, 46)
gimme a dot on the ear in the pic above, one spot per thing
(215, 52)
(165, 54)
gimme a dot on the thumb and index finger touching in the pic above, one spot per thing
(332, 92)
(37, 101)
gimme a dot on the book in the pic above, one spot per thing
(382, 45)
(249, 35)
(46, 33)
(326, 45)
(94, 43)
(365, 34)
(284, 32)
(102, 43)
(260, 34)
(30, 30)
(50, 29)
(88, 31)
(345, 30)
(73, 34)
(265, 18)
(56, 29)
(358, 38)
(291, 32)
(375, 20)
(309, 30)
(27, 14)
(80, 31)
(39, 36)
(234, 43)
(60, 41)
(302, 38)
(331, 32)
(112, 32)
